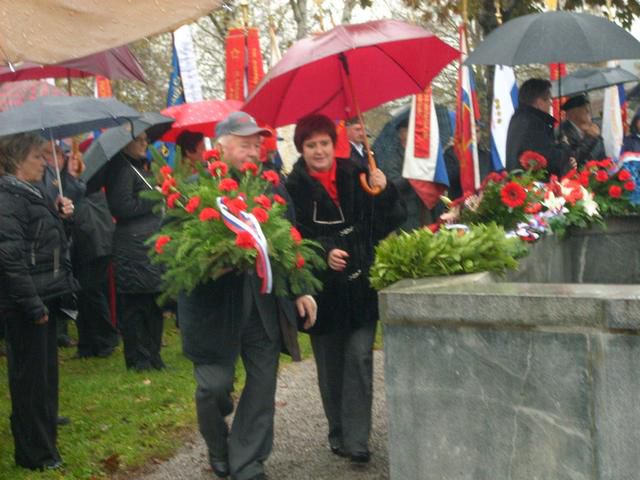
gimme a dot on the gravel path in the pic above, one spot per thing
(301, 450)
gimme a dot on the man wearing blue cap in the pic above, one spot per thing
(227, 318)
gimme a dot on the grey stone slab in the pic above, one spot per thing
(474, 404)
(617, 405)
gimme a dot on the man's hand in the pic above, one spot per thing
(43, 320)
(337, 259)
(592, 130)
(307, 309)
(377, 179)
(65, 207)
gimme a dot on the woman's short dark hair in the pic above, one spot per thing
(533, 89)
(311, 125)
(188, 141)
(14, 150)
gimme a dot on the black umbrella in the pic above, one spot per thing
(107, 145)
(555, 37)
(592, 79)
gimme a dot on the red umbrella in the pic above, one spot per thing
(198, 117)
(347, 70)
(13, 94)
(117, 64)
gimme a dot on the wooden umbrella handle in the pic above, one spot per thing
(364, 182)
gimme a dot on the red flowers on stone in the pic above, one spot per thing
(161, 242)
(278, 199)
(295, 236)
(193, 204)
(249, 167)
(209, 214)
(271, 177)
(263, 201)
(172, 199)
(624, 175)
(513, 195)
(602, 176)
(236, 205)
(629, 186)
(260, 214)
(228, 185)
(244, 240)
(166, 170)
(218, 168)
(168, 185)
(212, 154)
(615, 191)
(533, 161)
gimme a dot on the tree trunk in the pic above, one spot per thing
(300, 11)
(347, 11)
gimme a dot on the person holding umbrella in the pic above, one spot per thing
(35, 273)
(332, 209)
(137, 279)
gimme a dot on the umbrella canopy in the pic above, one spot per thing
(592, 79)
(58, 30)
(60, 117)
(13, 94)
(198, 117)
(555, 37)
(117, 64)
(383, 60)
(107, 145)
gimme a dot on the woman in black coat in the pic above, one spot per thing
(332, 208)
(137, 279)
(34, 272)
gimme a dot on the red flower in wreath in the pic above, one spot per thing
(249, 167)
(513, 195)
(615, 191)
(272, 177)
(166, 170)
(218, 168)
(228, 185)
(584, 178)
(533, 161)
(172, 199)
(295, 236)
(278, 199)
(193, 204)
(244, 240)
(591, 164)
(624, 175)
(236, 205)
(168, 185)
(602, 176)
(606, 163)
(161, 242)
(629, 186)
(212, 154)
(299, 261)
(209, 214)
(260, 214)
(263, 201)
(533, 208)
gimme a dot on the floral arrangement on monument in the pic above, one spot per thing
(218, 219)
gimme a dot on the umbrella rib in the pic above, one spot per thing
(398, 64)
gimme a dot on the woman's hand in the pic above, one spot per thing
(337, 259)
(307, 309)
(377, 179)
(65, 207)
(43, 320)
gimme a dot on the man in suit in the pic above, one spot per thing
(356, 134)
(227, 318)
(581, 133)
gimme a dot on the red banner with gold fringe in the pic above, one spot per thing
(235, 49)
(422, 137)
(255, 69)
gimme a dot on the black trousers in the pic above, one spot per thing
(96, 335)
(141, 327)
(32, 354)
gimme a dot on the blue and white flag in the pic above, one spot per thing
(175, 94)
(612, 130)
(505, 102)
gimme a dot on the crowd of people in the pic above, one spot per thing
(61, 238)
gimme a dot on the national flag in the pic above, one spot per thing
(505, 102)
(612, 131)
(186, 54)
(465, 140)
(175, 94)
(424, 165)
(556, 72)
(624, 109)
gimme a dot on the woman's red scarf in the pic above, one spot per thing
(328, 180)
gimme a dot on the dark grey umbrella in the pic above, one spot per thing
(107, 145)
(555, 37)
(592, 79)
(60, 117)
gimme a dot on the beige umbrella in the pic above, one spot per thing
(58, 30)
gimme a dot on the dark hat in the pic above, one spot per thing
(576, 101)
(241, 124)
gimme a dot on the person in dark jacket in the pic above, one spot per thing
(228, 318)
(138, 281)
(356, 134)
(332, 208)
(631, 142)
(581, 133)
(192, 146)
(532, 128)
(34, 272)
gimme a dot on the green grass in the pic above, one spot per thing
(120, 420)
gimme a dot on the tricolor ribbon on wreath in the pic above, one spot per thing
(248, 223)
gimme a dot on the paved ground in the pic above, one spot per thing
(301, 450)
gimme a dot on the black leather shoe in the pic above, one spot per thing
(339, 451)
(221, 469)
(63, 420)
(360, 458)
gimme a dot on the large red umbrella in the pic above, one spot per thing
(117, 64)
(13, 94)
(198, 117)
(347, 70)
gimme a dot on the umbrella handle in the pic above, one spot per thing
(364, 183)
